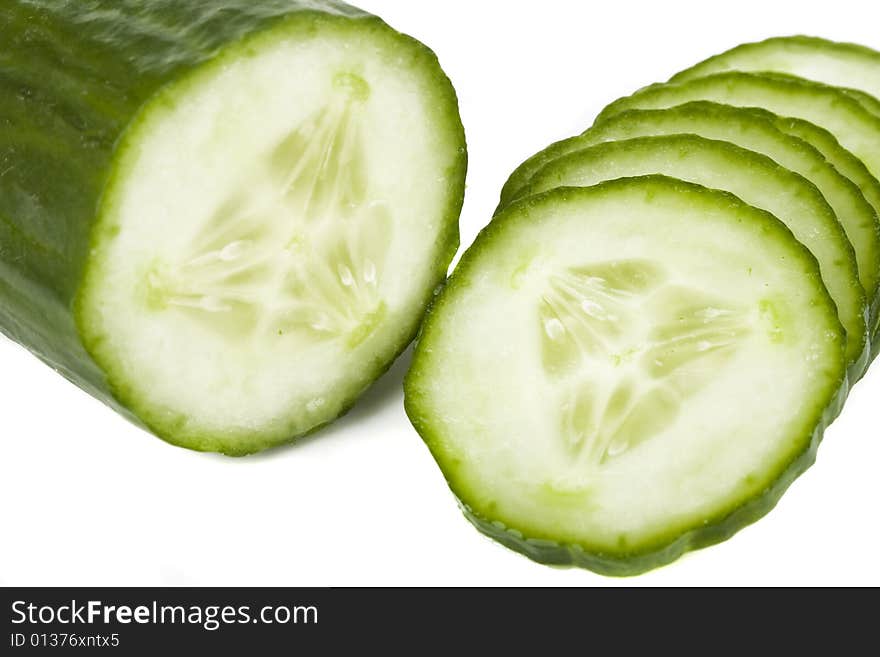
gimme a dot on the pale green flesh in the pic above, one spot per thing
(754, 131)
(581, 379)
(755, 179)
(845, 65)
(228, 268)
(588, 313)
(317, 277)
(854, 127)
(248, 294)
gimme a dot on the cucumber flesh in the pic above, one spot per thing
(852, 125)
(574, 379)
(752, 177)
(854, 67)
(756, 130)
(278, 201)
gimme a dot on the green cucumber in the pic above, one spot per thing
(819, 138)
(755, 131)
(854, 127)
(224, 219)
(855, 68)
(754, 178)
(619, 374)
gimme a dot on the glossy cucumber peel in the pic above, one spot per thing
(573, 380)
(752, 177)
(225, 219)
(758, 131)
(853, 67)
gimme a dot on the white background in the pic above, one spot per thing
(88, 499)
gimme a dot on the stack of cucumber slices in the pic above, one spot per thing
(227, 219)
(641, 351)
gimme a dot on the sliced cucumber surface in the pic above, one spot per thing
(757, 130)
(857, 129)
(754, 178)
(519, 179)
(839, 157)
(846, 65)
(819, 138)
(581, 380)
(668, 95)
(869, 102)
(277, 189)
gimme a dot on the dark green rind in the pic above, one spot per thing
(783, 50)
(665, 549)
(75, 76)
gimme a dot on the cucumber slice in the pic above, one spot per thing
(868, 102)
(846, 65)
(848, 165)
(857, 129)
(752, 177)
(840, 158)
(819, 138)
(226, 218)
(755, 130)
(619, 374)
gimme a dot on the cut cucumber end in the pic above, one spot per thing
(574, 379)
(274, 226)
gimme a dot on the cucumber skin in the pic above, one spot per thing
(74, 76)
(711, 65)
(842, 99)
(666, 549)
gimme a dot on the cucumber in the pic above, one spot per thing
(854, 127)
(619, 374)
(755, 130)
(848, 65)
(224, 219)
(819, 138)
(752, 177)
